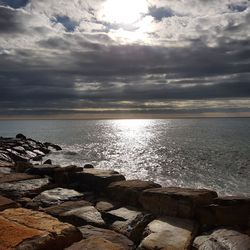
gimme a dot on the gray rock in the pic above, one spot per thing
(169, 233)
(222, 239)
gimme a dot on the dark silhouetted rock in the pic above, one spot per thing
(57, 196)
(226, 211)
(88, 166)
(27, 229)
(169, 233)
(48, 162)
(129, 191)
(96, 179)
(21, 136)
(222, 239)
(175, 201)
(6, 203)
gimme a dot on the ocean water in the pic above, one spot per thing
(204, 153)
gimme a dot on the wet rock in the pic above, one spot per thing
(175, 201)
(23, 166)
(5, 160)
(29, 188)
(129, 222)
(16, 156)
(44, 169)
(6, 203)
(96, 179)
(222, 239)
(168, 233)
(226, 211)
(51, 145)
(14, 177)
(21, 136)
(38, 152)
(27, 229)
(57, 196)
(129, 191)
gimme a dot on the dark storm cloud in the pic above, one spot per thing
(48, 66)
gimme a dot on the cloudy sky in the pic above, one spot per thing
(78, 58)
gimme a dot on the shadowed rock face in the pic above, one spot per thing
(6, 203)
(97, 238)
(96, 179)
(169, 234)
(175, 201)
(222, 239)
(129, 191)
(27, 229)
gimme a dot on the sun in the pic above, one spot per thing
(124, 12)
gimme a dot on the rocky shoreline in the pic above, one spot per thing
(46, 206)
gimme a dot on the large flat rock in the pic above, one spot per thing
(78, 213)
(129, 191)
(129, 222)
(96, 179)
(27, 229)
(13, 177)
(169, 233)
(28, 188)
(176, 201)
(57, 196)
(6, 203)
(226, 211)
(222, 239)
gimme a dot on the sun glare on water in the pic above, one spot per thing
(124, 11)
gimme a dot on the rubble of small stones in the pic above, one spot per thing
(46, 206)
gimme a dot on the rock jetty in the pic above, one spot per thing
(45, 206)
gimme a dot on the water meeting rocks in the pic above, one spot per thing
(27, 229)
(168, 233)
(176, 201)
(129, 191)
(222, 239)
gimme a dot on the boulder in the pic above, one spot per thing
(6, 164)
(54, 146)
(48, 162)
(6, 203)
(222, 239)
(176, 201)
(5, 160)
(88, 166)
(29, 188)
(128, 192)
(57, 196)
(102, 239)
(78, 213)
(27, 229)
(168, 233)
(226, 211)
(96, 179)
(129, 222)
(105, 206)
(21, 136)
(16, 156)
(14, 177)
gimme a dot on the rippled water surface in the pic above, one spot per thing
(213, 153)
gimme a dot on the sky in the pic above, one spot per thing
(124, 58)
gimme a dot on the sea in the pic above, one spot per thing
(209, 153)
